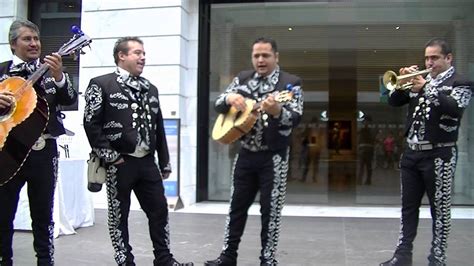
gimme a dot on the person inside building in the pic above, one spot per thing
(40, 169)
(124, 125)
(261, 165)
(435, 107)
(366, 152)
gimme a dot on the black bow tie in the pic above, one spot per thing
(137, 83)
(23, 69)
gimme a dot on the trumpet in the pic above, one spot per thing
(392, 81)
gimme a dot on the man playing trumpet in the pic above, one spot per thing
(435, 107)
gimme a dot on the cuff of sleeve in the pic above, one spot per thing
(166, 168)
(60, 83)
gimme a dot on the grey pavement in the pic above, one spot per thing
(303, 241)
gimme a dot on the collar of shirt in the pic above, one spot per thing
(16, 61)
(440, 76)
(277, 68)
(124, 74)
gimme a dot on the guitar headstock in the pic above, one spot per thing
(284, 96)
(74, 46)
(288, 94)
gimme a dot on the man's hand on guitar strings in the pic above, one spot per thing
(6, 99)
(237, 101)
(270, 106)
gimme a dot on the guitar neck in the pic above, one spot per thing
(280, 97)
(31, 80)
(38, 73)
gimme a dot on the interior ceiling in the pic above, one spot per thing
(381, 36)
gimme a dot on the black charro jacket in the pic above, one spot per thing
(276, 134)
(442, 107)
(47, 89)
(109, 123)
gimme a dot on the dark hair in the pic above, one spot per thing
(267, 40)
(441, 42)
(121, 45)
(14, 31)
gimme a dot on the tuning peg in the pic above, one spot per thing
(292, 89)
(76, 30)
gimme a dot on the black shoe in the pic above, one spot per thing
(174, 262)
(436, 263)
(6, 262)
(221, 261)
(269, 263)
(398, 260)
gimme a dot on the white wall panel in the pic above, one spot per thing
(163, 50)
(5, 23)
(166, 78)
(91, 5)
(159, 51)
(170, 106)
(100, 53)
(134, 22)
(5, 52)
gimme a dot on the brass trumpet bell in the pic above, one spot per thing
(392, 81)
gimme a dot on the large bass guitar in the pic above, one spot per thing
(24, 122)
(232, 125)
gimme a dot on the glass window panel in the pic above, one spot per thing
(341, 50)
(55, 18)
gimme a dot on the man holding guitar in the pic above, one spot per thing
(261, 164)
(40, 167)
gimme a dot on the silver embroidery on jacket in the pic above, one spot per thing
(118, 95)
(119, 106)
(93, 97)
(112, 124)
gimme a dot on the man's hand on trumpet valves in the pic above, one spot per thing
(417, 81)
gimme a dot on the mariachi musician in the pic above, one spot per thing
(40, 169)
(436, 104)
(262, 162)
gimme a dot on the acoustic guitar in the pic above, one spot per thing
(232, 125)
(24, 122)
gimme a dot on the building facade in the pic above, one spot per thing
(341, 49)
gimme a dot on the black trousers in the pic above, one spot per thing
(40, 171)
(143, 177)
(432, 172)
(253, 172)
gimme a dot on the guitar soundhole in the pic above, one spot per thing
(238, 115)
(5, 111)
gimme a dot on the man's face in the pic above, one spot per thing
(27, 46)
(264, 60)
(436, 60)
(134, 60)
